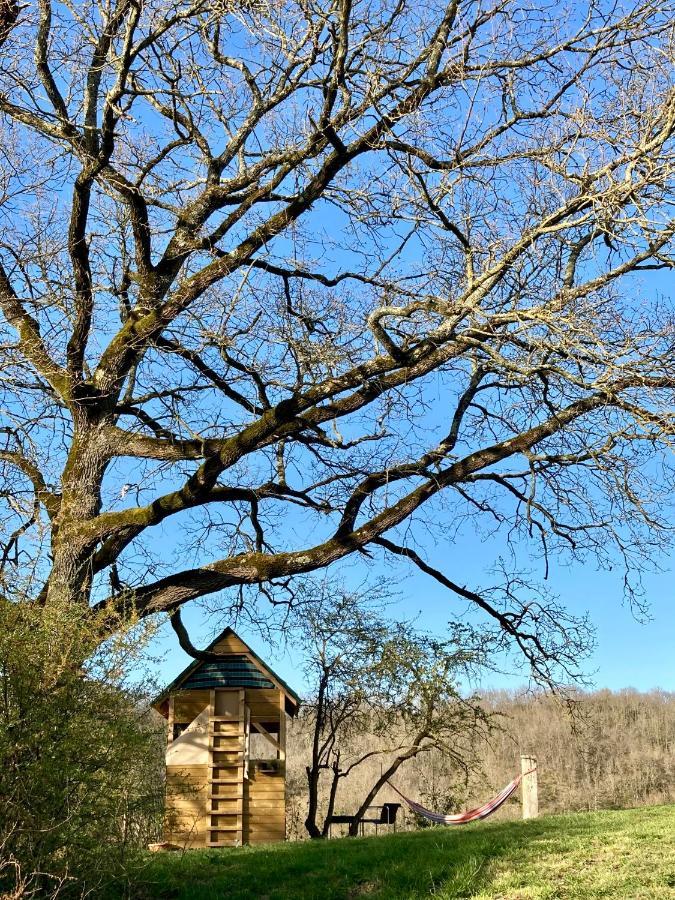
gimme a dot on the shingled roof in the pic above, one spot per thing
(234, 670)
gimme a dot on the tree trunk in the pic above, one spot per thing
(73, 542)
(313, 829)
(384, 777)
(314, 770)
(331, 803)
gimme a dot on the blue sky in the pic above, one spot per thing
(631, 652)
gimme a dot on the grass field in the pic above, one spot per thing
(626, 854)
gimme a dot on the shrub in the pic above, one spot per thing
(80, 755)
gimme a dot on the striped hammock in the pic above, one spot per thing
(471, 815)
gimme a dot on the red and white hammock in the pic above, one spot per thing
(471, 815)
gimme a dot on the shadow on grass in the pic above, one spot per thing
(443, 862)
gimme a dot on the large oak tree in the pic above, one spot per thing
(294, 273)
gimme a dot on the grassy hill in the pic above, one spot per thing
(625, 854)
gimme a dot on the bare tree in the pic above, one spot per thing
(380, 690)
(294, 274)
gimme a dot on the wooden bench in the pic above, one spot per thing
(387, 816)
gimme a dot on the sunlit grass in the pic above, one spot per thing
(624, 854)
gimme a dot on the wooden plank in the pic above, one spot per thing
(235, 732)
(187, 771)
(263, 812)
(230, 644)
(282, 727)
(211, 772)
(255, 826)
(529, 787)
(195, 842)
(265, 733)
(190, 834)
(260, 778)
(263, 698)
(226, 729)
(275, 787)
(188, 705)
(184, 806)
(183, 787)
(170, 720)
(269, 774)
(260, 816)
(272, 832)
(265, 711)
(267, 794)
(227, 705)
(187, 829)
(258, 790)
(225, 779)
(180, 776)
(183, 792)
(267, 837)
(225, 806)
(276, 832)
(183, 814)
(186, 823)
(240, 805)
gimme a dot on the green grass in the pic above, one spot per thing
(625, 854)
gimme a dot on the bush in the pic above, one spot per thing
(80, 756)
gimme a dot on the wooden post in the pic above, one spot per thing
(529, 787)
(170, 720)
(281, 753)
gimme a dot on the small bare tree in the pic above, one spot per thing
(380, 689)
(293, 274)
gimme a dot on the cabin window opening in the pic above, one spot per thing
(179, 728)
(261, 748)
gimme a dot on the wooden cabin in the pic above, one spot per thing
(226, 750)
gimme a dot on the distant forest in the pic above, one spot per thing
(616, 750)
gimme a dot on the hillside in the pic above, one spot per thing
(616, 854)
(616, 752)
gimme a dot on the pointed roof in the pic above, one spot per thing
(234, 670)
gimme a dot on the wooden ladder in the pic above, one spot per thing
(227, 752)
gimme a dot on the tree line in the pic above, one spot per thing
(610, 750)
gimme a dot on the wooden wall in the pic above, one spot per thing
(186, 805)
(265, 807)
(195, 804)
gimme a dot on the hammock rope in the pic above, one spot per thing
(471, 815)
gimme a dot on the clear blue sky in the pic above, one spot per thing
(630, 653)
